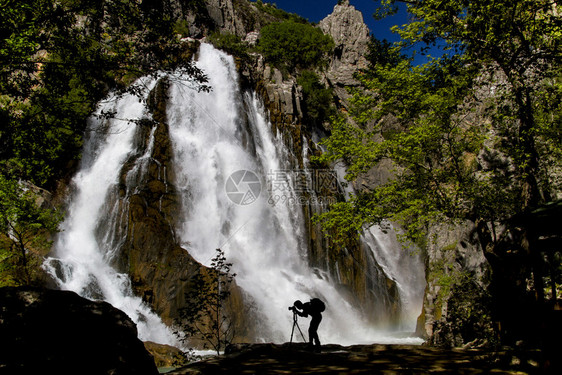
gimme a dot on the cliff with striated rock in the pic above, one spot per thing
(351, 37)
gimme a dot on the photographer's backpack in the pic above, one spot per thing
(317, 304)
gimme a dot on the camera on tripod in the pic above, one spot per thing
(295, 311)
(295, 307)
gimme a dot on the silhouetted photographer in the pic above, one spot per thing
(314, 308)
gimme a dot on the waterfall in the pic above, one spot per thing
(85, 249)
(224, 144)
(403, 266)
(216, 135)
(226, 158)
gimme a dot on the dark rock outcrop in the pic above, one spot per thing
(47, 331)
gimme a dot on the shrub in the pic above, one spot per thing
(317, 98)
(291, 45)
(229, 43)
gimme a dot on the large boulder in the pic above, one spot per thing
(49, 331)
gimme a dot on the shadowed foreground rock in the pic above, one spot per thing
(59, 332)
(364, 359)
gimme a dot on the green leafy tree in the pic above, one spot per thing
(470, 135)
(58, 59)
(317, 98)
(290, 45)
(229, 43)
(204, 316)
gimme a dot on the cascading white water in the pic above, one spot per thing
(224, 156)
(264, 241)
(404, 266)
(83, 250)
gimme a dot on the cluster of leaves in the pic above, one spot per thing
(23, 228)
(433, 160)
(230, 43)
(317, 98)
(58, 59)
(290, 45)
(457, 153)
(204, 316)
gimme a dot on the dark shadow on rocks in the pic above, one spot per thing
(363, 359)
(58, 332)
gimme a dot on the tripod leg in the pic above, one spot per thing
(292, 331)
(303, 339)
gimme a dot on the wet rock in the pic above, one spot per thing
(166, 355)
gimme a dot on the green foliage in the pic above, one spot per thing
(229, 43)
(470, 135)
(317, 99)
(272, 9)
(58, 59)
(24, 231)
(290, 45)
(431, 154)
(204, 316)
(181, 27)
(383, 53)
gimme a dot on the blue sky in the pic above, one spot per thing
(314, 11)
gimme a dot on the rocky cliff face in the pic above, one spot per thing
(351, 37)
(457, 305)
